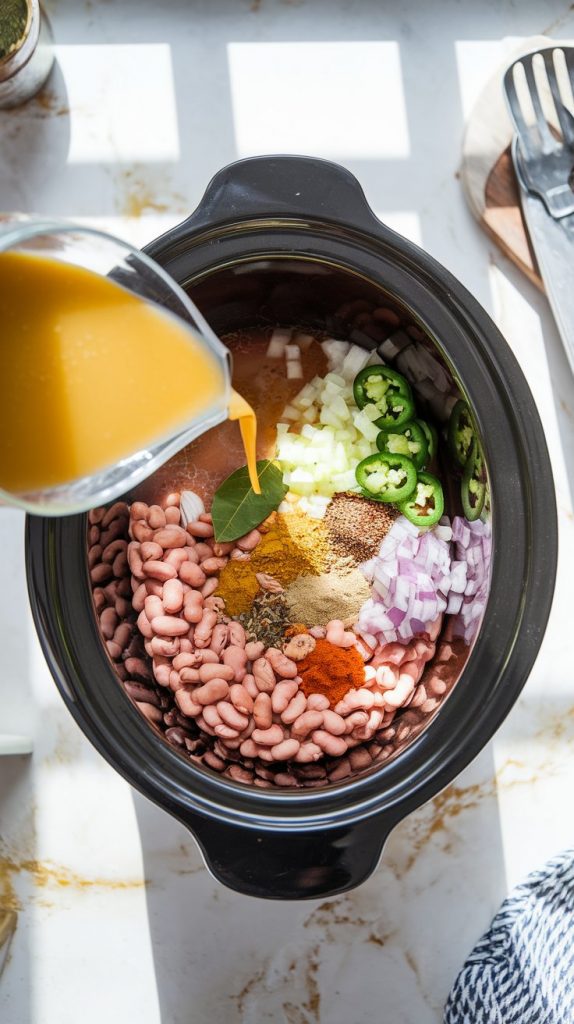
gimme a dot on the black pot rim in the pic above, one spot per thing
(524, 533)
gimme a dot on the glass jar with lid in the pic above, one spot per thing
(26, 50)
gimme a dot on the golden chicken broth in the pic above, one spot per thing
(90, 374)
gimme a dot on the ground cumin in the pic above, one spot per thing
(331, 670)
(295, 545)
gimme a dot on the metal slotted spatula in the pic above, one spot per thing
(539, 92)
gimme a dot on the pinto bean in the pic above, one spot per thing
(231, 716)
(149, 551)
(264, 675)
(221, 550)
(308, 722)
(355, 700)
(169, 625)
(119, 510)
(156, 517)
(209, 587)
(172, 516)
(207, 657)
(317, 702)
(239, 774)
(150, 712)
(122, 634)
(176, 557)
(335, 746)
(337, 635)
(219, 637)
(211, 566)
(282, 694)
(184, 698)
(100, 599)
(154, 587)
(249, 541)
(193, 607)
(138, 668)
(263, 711)
(268, 737)
(405, 686)
(199, 529)
(172, 596)
(210, 714)
(285, 750)
(139, 510)
(254, 649)
(334, 723)
(308, 752)
(95, 515)
(189, 675)
(171, 536)
(295, 708)
(108, 622)
(211, 692)
(101, 572)
(236, 659)
(204, 629)
(192, 574)
(211, 671)
(237, 555)
(237, 636)
(249, 749)
(161, 571)
(144, 625)
(94, 535)
(281, 665)
(171, 500)
(341, 770)
(250, 685)
(241, 699)
(114, 650)
(153, 607)
(120, 564)
(141, 532)
(164, 647)
(185, 660)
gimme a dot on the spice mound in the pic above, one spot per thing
(332, 671)
(356, 527)
(338, 594)
(294, 545)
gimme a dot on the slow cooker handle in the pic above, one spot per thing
(281, 186)
(291, 865)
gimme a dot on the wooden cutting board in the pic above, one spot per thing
(486, 170)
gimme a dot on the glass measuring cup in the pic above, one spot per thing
(108, 256)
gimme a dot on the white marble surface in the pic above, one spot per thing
(118, 918)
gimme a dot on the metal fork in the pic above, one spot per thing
(545, 161)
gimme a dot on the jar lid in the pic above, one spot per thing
(15, 21)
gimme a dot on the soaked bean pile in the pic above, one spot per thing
(222, 700)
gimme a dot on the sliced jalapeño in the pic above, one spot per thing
(425, 506)
(409, 440)
(386, 477)
(388, 391)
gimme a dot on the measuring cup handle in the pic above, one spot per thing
(282, 186)
(291, 865)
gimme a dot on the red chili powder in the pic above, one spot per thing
(331, 670)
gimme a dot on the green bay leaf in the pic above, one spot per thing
(237, 509)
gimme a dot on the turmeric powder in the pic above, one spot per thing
(295, 544)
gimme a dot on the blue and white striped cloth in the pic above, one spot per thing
(522, 970)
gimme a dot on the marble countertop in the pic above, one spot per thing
(117, 917)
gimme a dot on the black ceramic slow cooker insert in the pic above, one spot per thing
(293, 240)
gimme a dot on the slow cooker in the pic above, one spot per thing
(292, 239)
